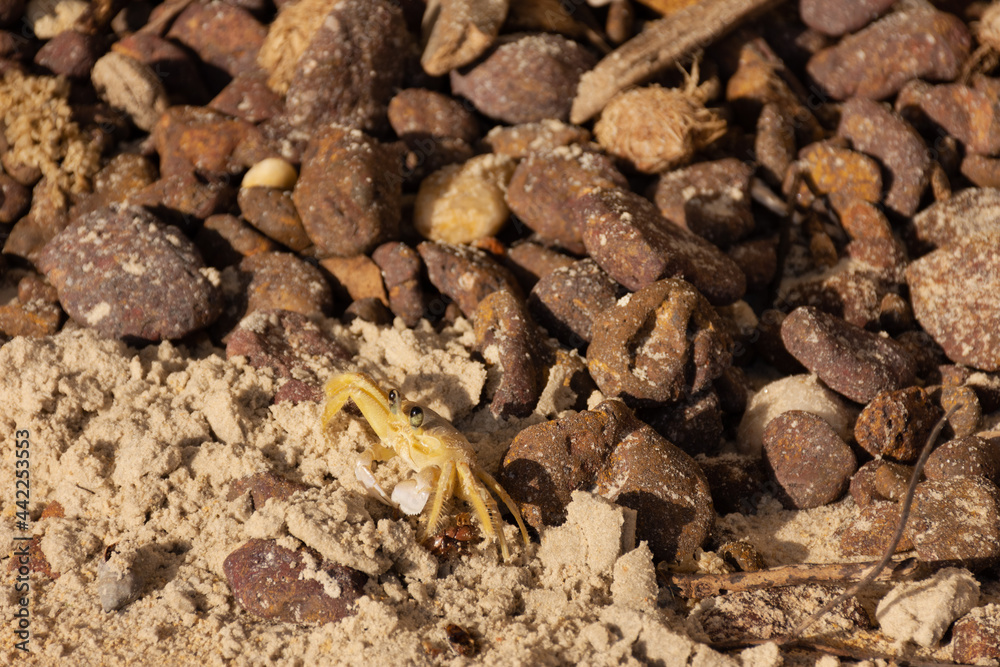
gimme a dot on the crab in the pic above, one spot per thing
(441, 457)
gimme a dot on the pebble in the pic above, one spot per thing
(710, 199)
(269, 582)
(222, 34)
(14, 199)
(622, 459)
(966, 113)
(131, 86)
(509, 341)
(567, 300)
(416, 113)
(955, 292)
(272, 211)
(285, 342)
(197, 139)
(360, 276)
(976, 636)
(845, 175)
(351, 68)
(735, 480)
(281, 280)
(966, 456)
(271, 172)
(743, 555)
(129, 276)
(172, 63)
(810, 463)
(853, 362)
(348, 192)
(970, 212)
(758, 260)
(968, 415)
(70, 53)
(694, 424)
(226, 239)
(34, 311)
(262, 486)
(464, 274)
(530, 261)
(876, 62)
(117, 586)
(525, 78)
(774, 143)
(401, 268)
(896, 424)
(840, 18)
(369, 309)
(544, 185)
(658, 345)
(957, 519)
(520, 141)
(626, 235)
(876, 130)
(186, 198)
(854, 296)
(869, 533)
(462, 203)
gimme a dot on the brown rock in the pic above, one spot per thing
(401, 268)
(968, 413)
(508, 339)
(172, 64)
(850, 360)
(350, 69)
(758, 260)
(464, 274)
(348, 193)
(126, 175)
(184, 197)
(658, 345)
(694, 424)
(359, 275)
(34, 311)
(981, 170)
(910, 44)
(774, 143)
(971, 212)
(199, 139)
(711, 199)
(222, 35)
(735, 480)
(864, 220)
(267, 580)
(283, 281)
(869, 533)
(896, 424)
(876, 130)
(273, 212)
(420, 113)
(46, 218)
(839, 18)
(249, 98)
(968, 114)
(14, 200)
(955, 292)
(126, 274)
(567, 300)
(262, 486)
(957, 519)
(854, 296)
(810, 463)
(624, 460)
(369, 309)
(525, 78)
(546, 135)
(625, 234)
(224, 240)
(845, 175)
(976, 636)
(544, 185)
(967, 456)
(70, 53)
(530, 261)
(862, 487)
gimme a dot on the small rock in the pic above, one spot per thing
(174, 65)
(262, 486)
(420, 113)
(843, 174)
(525, 78)
(248, 98)
(126, 274)
(14, 199)
(568, 300)
(626, 235)
(711, 199)
(922, 611)
(869, 533)
(281, 280)
(968, 414)
(348, 192)
(222, 34)
(862, 487)
(545, 183)
(967, 114)
(852, 361)
(401, 268)
(466, 275)
(530, 261)
(896, 424)
(967, 456)
(127, 84)
(811, 464)
(852, 295)
(910, 44)
(360, 276)
(839, 18)
(197, 139)
(758, 260)
(774, 143)
(735, 480)
(625, 461)
(462, 203)
(658, 345)
(272, 211)
(694, 424)
(743, 555)
(520, 141)
(957, 519)
(34, 311)
(369, 309)
(279, 584)
(508, 340)
(70, 53)
(955, 292)
(226, 240)
(976, 636)
(971, 212)
(118, 583)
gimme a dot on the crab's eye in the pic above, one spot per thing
(393, 401)
(416, 417)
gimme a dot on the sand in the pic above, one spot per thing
(140, 447)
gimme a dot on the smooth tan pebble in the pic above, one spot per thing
(272, 172)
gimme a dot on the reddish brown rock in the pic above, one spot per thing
(508, 339)
(224, 240)
(869, 533)
(711, 199)
(464, 274)
(918, 43)
(566, 301)
(735, 480)
(173, 65)
(262, 486)
(416, 113)
(694, 424)
(976, 636)
(525, 78)
(621, 458)
(625, 234)
(968, 456)
(14, 199)
(896, 424)
(198, 139)
(810, 463)
(545, 183)
(359, 276)
(955, 292)
(70, 53)
(350, 69)
(876, 130)
(348, 194)
(852, 296)
(126, 274)
(273, 212)
(839, 18)
(758, 260)
(658, 345)
(843, 174)
(283, 281)
(968, 114)
(401, 268)
(267, 580)
(970, 212)
(249, 98)
(34, 311)
(530, 261)
(222, 35)
(850, 360)
(957, 519)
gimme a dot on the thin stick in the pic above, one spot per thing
(659, 46)
(904, 514)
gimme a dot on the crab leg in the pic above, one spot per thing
(370, 399)
(499, 491)
(485, 506)
(445, 489)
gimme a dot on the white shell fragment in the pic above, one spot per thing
(116, 588)
(272, 172)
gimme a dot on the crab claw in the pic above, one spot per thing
(411, 495)
(363, 473)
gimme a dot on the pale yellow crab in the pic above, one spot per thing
(438, 452)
